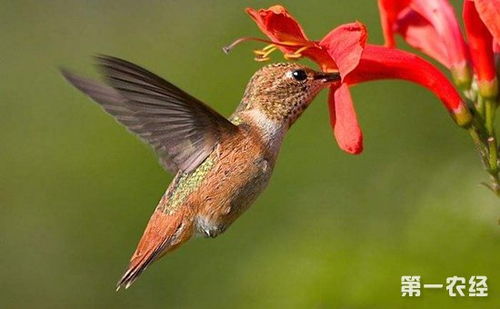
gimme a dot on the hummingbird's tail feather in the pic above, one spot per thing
(163, 233)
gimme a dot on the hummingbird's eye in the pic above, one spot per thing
(299, 75)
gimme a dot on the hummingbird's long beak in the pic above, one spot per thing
(327, 77)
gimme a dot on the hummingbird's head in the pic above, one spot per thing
(282, 91)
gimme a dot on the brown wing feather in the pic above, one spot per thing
(181, 129)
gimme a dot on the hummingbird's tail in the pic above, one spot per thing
(164, 233)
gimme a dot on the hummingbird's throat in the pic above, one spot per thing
(263, 54)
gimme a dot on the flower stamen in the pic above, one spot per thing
(263, 54)
(297, 54)
(289, 44)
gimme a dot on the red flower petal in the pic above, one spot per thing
(344, 121)
(378, 62)
(480, 42)
(496, 47)
(282, 28)
(441, 15)
(428, 25)
(489, 10)
(389, 12)
(278, 24)
(345, 45)
(414, 27)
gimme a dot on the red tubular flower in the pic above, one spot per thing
(430, 26)
(389, 12)
(289, 36)
(344, 49)
(378, 62)
(481, 47)
(489, 10)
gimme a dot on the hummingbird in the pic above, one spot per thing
(220, 164)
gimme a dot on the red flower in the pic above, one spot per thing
(481, 45)
(378, 62)
(489, 11)
(345, 49)
(345, 45)
(430, 26)
(284, 30)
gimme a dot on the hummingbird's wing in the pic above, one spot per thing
(182, 129)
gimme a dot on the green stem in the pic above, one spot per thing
(490, 130)
(491, 142)
(480, 107)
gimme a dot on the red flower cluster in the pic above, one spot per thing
(429, 25)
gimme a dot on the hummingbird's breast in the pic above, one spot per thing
(230, 179)
(243, 169)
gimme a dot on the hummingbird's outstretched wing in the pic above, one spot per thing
(182, 129)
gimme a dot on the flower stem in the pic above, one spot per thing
(490, 130)
(482, 132)
(478, 142)
(480, 108)
(491, 144)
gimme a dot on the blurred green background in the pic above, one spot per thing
(331, 231)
